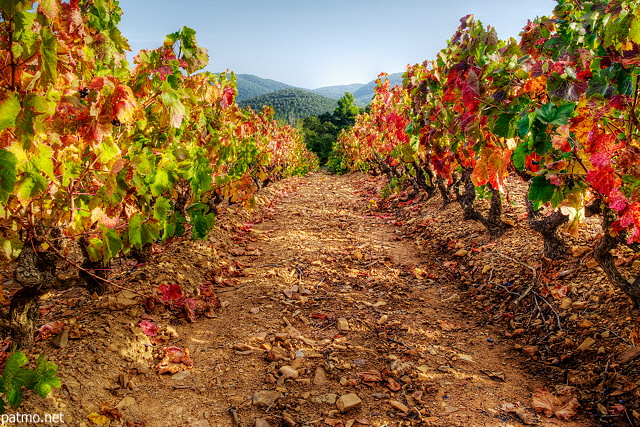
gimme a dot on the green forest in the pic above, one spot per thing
(291, 105)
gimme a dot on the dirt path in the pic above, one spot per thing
(328, 304)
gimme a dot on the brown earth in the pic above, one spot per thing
(323, 296)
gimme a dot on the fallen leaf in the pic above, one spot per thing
(48, 330)
(563, 406)
(111, 413)
(189, 309)
(98, 419)
(171, 292)
(175, 360)
(148, 328)
(526, 417)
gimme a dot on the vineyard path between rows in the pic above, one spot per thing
(332, 285)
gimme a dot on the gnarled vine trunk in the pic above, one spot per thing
(602, 254)
(425, 179)
(36, 274)
(492, 221)
(554, 245)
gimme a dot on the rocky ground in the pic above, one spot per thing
(327, 307)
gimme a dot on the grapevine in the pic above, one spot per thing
(104, 159)
(558, 109)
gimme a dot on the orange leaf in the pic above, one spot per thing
(563, 406)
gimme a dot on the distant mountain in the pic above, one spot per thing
(250, 86)
(292, 104)
(365, 93)
(337, 92)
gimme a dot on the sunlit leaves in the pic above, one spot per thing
(49, 54)
(142, 232)
(98, 148)
(567, 96)
(8, 174)
(11, 7)
(550, 114)
(9, 109)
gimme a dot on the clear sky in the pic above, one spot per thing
(315, 43)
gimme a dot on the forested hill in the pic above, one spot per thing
(250, 86)
(291, 104)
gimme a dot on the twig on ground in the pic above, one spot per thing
(234, 415)
(399, 342)
(533, 271)
(275, 264)
(551, 307)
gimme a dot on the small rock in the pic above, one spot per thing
(62, 339)
(380, 395)
(586, 344)
(124, 299)
(461, 253)
(320, 376)
(242, 347)
(530, 350)
(466, 358)
(281, 336)
(444, 368)
(399, 405)
(254, 310)
(265, 398)
(453, 298)
(199, 423)
(260, 336)
(579, 251)
(348, 401)
(343, 324)
(565, 303)
(172, 332)
(329, 398)
(423, 377)
(592, 263)
(400, 368)
(288, 372)
(180, 375)
(383, 319)
(276, 354)
(261, 423)
(579, 305)
(127, 402)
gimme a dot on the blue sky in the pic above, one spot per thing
(314, 43)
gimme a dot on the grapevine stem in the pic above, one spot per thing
(89, 272)
(72, 188)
